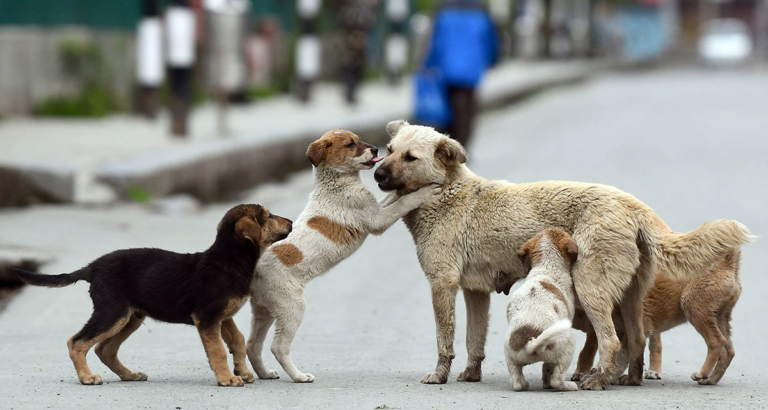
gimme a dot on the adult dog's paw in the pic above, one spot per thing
(577, 376)
(134, 377)
(434, 378)
(706, 382)
(592, 382)
(470, 375)
(520, 386)
(626, 380)
(652, 375)
(698, 376)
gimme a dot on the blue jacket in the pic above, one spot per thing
(464, 42)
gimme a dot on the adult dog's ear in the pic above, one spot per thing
(316, 151)
(525, 256)
(394, 127)
(450, 152)
(249, 229)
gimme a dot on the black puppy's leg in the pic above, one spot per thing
(210, 334)
(103, 324)
(107, 351)
(236, 343)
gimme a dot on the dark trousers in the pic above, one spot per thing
(463, 107)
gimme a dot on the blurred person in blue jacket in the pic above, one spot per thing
(464, 44)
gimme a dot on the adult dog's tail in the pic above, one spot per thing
(686, 255)
(54, 281)
(549, 334)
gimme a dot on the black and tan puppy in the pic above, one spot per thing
(202, 289)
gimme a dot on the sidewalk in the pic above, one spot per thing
(87, 161)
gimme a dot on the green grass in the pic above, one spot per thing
(138, 194)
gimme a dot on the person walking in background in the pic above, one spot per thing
(355, 19)
(464, 44)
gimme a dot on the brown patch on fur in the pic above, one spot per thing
(337, 233)
(555, 291)
(288, 254)
(334, 146)
(522, 335)
(557, 310)
(564, 243)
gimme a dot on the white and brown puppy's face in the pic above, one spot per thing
(417, 156)
(548, 246)
(344, 151)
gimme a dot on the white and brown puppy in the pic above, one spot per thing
(339, 216)
(463, 240)
(541, 311)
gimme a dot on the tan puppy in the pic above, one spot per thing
(540, 312)
(706, 302)
(464, 238)
(339, 216)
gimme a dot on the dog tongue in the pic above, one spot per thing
(377, 159)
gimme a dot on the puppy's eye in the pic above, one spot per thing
(409, 158)
(351, 144)
(389, 150)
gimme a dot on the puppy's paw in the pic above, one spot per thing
(706, 382)
(470, 375)
(270, 374)
(91, 380)
(698, 376)
(592, 382)
(230, 381)
(134, 377)
(434, 378)
(304, 378)
(246, 375)
(437, 190)
(652, 375)
(577, 376)
(520, 386)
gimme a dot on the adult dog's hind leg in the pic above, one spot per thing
(107, 351)
(289, 317)
(478, 306)
(444, 289)
(261, 321)
(632, 315)
(236, 344)
(586, 357)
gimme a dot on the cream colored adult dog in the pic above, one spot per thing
(339, 216)
(468, 237)
(541, 311)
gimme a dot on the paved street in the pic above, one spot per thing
(691, 144)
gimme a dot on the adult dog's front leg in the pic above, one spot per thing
(478, 304)
(444, 291)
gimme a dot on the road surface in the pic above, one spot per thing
(693, 145)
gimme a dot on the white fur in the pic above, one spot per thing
(277, 290)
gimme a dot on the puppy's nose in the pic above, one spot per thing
(380, 175)
(374, 151)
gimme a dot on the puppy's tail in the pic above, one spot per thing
(54, 281)
(687, 255)
(549, 335)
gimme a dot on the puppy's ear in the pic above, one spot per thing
(525, 256)
(394, 126)
(261, 214)
(248, 229)
(568, 245)
(316, 151)
(450, 152)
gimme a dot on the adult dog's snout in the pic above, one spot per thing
(381, 175)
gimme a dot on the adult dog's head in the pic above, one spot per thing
(417, 156)
(343, 151)
(254, 225)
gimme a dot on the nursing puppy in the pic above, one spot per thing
(202, 289)
(464, 237)
(540, 312)
(706, 302)
(339, 216)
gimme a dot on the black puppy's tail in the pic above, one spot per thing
(54, 281)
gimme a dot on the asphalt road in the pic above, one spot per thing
(690, 144)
